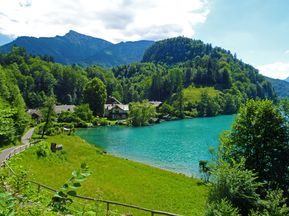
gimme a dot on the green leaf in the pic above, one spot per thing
(83, 166)
(76, 184)
(65, 186)
(75, 173)
(61, 194)
(71, 193)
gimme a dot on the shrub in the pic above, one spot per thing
(43, 150)
(222, 208)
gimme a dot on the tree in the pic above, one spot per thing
(47, 113)
(95, 95)
(83, 112)
(237, 185)
(141, 112)
(7, 126)
(179, 104)
(208, 105)
(260, 135)
(222, 208)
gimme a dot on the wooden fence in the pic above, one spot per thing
(108, 203)
(18, 150)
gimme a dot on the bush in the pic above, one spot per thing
(234, 183)
(84, 112)
(222, 208)
(42, 150)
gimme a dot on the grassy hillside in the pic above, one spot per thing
(192, 94)
(116, 179)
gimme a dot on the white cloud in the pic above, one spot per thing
(114, 20)
(277, 70)
(286, 52)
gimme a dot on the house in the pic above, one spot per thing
(62, 108)
(115, 110)
(36, 113)
(156, 104)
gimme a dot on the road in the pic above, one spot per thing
(25, 140)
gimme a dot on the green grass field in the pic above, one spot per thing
(116, 179)
(192, 94)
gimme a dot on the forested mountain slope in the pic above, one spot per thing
(220, 82)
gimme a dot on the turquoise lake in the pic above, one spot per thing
(176, 145)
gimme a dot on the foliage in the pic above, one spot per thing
(174, 50)
(252, 163)
(283, 106)
(61, 199)
(234, 183)
(141, 112)
(222, 208)
(12, 110)
(199, 65)
(48, 113)
(7, 126)
(84, 112)
(116, 179)
(7, 205)
(208, 106)
(260, 135)
(274, 204)
(42, 150)
(95, 95)
(205, 170)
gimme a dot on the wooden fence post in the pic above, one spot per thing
(38, 189)
(107, 208)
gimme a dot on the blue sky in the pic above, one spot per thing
(256, 30)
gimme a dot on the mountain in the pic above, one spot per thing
(76, 48)
(287, 79)
(208, 66)
(281, 87)
(175, 50)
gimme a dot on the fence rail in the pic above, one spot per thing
(107, 202)
(18, 150)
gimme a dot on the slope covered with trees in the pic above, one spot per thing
(179, 67)
(12, 109)
(171, 66)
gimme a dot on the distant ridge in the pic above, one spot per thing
(281, 87)
(76, 48)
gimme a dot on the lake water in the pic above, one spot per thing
(176, 145)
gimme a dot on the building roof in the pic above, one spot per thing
(155, 103)
(34, 112)
(109, 107)
(61, 108)
(112, 100)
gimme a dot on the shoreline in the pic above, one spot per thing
(175, 165)
(138, 161)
